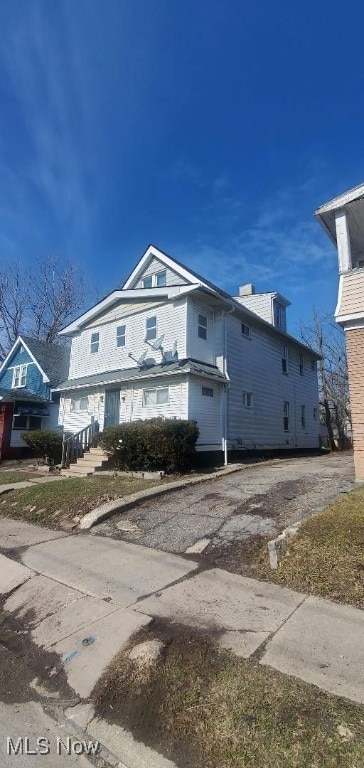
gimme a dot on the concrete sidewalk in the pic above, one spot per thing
(81, 586)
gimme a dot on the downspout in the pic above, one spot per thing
(226, 389)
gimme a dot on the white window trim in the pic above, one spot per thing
(151, 317)
(121, 335)
(20, 368)
(154, 405)
(96, 341)
(204, 327)
(79, 410)
(154, 278)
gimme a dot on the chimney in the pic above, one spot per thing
(246, 290)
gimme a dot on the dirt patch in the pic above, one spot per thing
(204, 708)
(22, 661)
(242, 557)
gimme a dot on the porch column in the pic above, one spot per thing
(343, 241)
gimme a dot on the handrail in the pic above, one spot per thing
(75, 445)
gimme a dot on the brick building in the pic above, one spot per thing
(343, 221)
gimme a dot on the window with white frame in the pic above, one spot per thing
(286, 415)
(151, 328)
(303, 416)
(95, 340)
(302, 365)
(284, 359)
(202, 327)
(120, 335)
(246, 330)
(207, 391)
(247, 399)
(19, 376)
(156, 396)
(156, 280)
(79, 403)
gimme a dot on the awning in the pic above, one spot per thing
(33, 410)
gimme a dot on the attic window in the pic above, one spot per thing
(279, 316)
(19, 376)
(157, 280)
(246, 330)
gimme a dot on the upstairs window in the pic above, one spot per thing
(161, 278)
(303, 416)
(157, 280)
(202, 327)
(156, 396)
(279, 316)
(120, 336)
(207, 391)
(95, 338)
(313, 365)
(151, 328)
(247, 399)
(286, 415)
(19, 376)
(79, 404)
(246, 330)
(284, 359)
(302, 365)
(315, 414)
(147, 282)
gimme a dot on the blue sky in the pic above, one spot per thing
(211, 129)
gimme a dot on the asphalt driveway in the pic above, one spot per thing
(257, 501)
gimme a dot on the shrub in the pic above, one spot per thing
(154, 444)
(45, 443)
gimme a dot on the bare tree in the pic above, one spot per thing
(38, 301)
(324, 335)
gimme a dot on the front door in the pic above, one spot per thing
(112, 407)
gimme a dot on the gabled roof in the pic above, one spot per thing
(52, 360)
(352, 202)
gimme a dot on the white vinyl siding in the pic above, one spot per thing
(155, 267)
(171, 321)
(207, 412)
(256, 368)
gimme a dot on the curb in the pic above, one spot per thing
(120, 505)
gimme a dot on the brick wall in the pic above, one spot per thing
(355, 351)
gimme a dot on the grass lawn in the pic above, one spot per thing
(56, 504)
(205, 708)
(15, 476)
(327, 556)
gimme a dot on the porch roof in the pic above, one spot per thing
(12, 395)
(134, 374)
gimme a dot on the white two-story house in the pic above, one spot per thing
(169, 343)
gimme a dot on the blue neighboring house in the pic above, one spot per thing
(27, 376)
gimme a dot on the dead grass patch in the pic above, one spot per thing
(204, 708)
